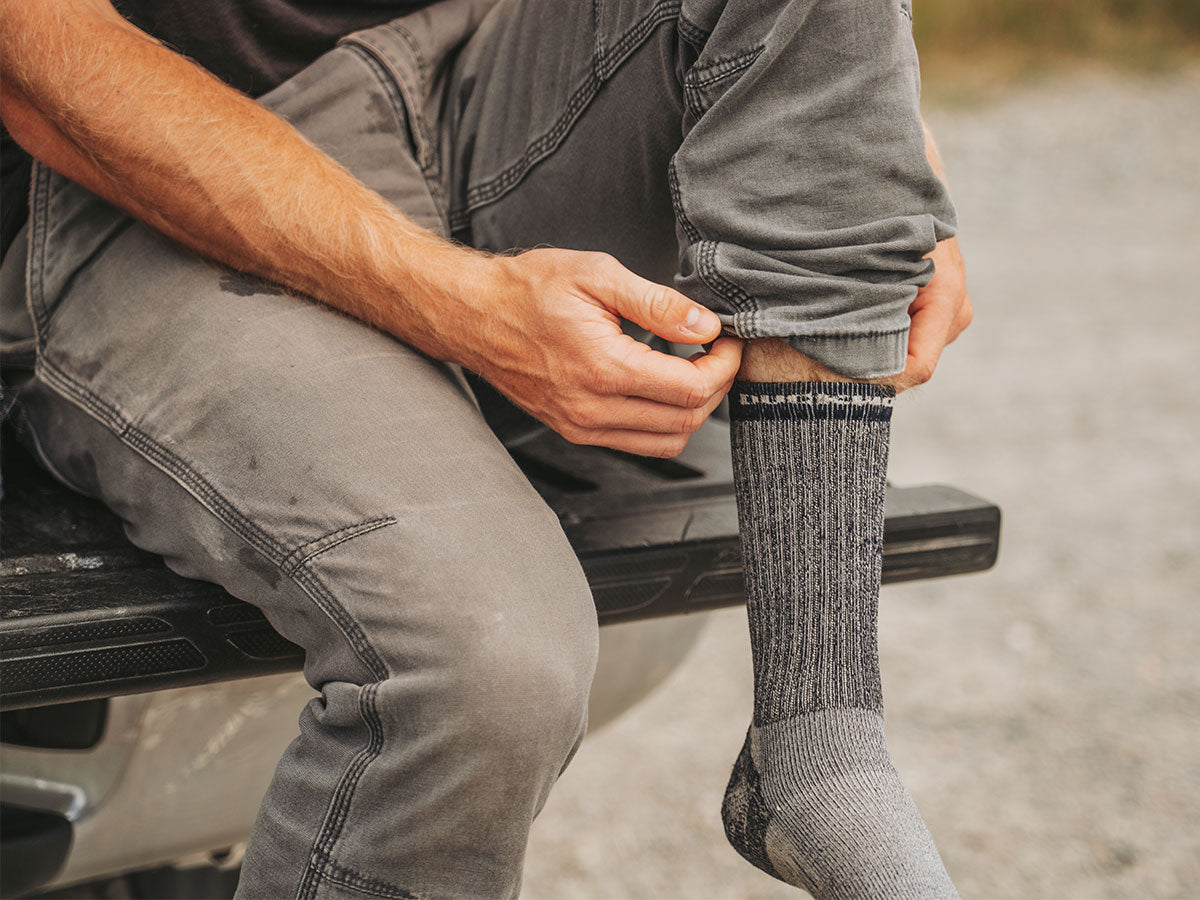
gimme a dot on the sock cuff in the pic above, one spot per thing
(838, 400)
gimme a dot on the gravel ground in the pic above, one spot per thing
(1045, 714)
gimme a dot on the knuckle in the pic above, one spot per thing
(557, 262)
(697, 396)
(668, 446)
(660, 304)
(674, 446)
(540, 255)
(592, 371)
(573, 433)
(603, 376)
(585, 417)
(604, 262)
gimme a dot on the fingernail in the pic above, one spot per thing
(692, 322)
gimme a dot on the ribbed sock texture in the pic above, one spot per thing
(814, 798)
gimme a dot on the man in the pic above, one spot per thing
(768, 156)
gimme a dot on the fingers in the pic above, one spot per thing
(652, 427)
(658, 308)
(680, 382)
(928, 335)
(655, 429)
(722, 361)
(962, 319)
(639, 442)
(638, 414)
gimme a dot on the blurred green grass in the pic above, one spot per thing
(973, 46)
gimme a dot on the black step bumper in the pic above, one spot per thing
(86, 615)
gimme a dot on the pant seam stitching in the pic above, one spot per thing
(721, 68)
(691, 32)
(424, 146)
(685, 223)
(35, 273)
(343, 795)
(305, 553)
(707, 267)
(191, 480)
(395, 82)
(604, 66)
(597, 17)
(713, 73)
(406, 36)
(365, 884)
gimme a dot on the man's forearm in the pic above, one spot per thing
(150, 131)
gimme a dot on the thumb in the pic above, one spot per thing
(662, 310)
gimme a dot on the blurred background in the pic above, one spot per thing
(1046, 715)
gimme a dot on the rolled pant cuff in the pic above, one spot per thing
(870, 355)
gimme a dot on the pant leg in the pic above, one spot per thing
(769, 155)
(348, 486)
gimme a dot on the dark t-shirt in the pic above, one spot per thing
(252, 45)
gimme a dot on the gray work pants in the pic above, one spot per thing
(767, 155)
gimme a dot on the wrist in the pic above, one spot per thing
(434, 295)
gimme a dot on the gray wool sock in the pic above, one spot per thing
(814, 798)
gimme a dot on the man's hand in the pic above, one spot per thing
(940, 313)
(551, 341)
(942, 309)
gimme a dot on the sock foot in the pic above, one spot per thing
(815, 801)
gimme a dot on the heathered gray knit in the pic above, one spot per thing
(814, 798)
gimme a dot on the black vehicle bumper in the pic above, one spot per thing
(86, 615)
